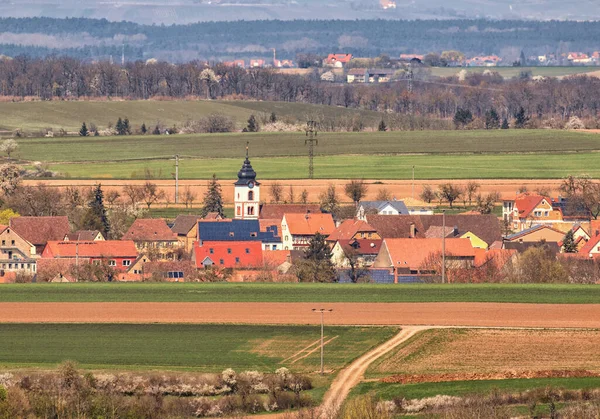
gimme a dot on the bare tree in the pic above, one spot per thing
(189, 196)
(383, 195)
(112, 197)
(427, 194)
(471, 190)
(356, 190)
(291, 196)
(10, 178)
(276, 191)
(304, 197)
(134, 193)
(449, 192)
(151, 194)
(329, 200)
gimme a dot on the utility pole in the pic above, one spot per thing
(322, 311)
(443, 246)
(123, 56)
(410, 91)
(413, 183)
(274, 57)
(311, 133)
(177, 178)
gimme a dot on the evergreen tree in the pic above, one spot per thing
(492, 120)
(83, 132)
(273, 118)
(252, 124)
(504, 124)
(522, 59)
(316, 266)
(143, 129)
(119, 127)
(213, 199)
(96, 218)
(569, 245)
(462, 117)
(126, 127)
(521, 118)
(382, 126)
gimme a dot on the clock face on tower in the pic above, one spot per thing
(251, 184)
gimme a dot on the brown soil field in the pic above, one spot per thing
(397, 188)
(443, 354)
(432, 314)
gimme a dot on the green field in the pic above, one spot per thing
(207, 348)
(510, 72)
(255, 292)
(477, 166)
(37, 116)
(462, 388)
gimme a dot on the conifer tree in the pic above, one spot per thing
(96, 218)
(273, 118)
(521, 118)
(143, 129)
(492, 120)
(119, 127)
(252, 124)
(213, 199)
(382, 126)
(126, 127)
(569, 245)
(505, 124)
(316, 266)
(83, 132)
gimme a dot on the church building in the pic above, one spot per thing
(247, 192)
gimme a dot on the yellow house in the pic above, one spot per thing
(476, 242)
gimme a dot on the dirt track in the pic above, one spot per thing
(435, 314)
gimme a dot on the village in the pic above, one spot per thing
(386, 241)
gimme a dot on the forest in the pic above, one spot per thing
(98, 38)
(468, 101)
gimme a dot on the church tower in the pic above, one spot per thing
(247, 192)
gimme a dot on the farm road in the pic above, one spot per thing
(410, 314)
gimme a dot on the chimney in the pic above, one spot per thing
(455, 231)
(413, 231)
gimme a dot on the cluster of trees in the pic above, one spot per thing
(469, 194)
(477, 100)
(69, 392)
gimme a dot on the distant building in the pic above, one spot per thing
(387, 4)
(337, 60)
(357, 75)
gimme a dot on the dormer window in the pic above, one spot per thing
(253, 234)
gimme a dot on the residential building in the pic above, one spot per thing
(40, 230)
(16, 253)
(536, 234)
(528, 210)
(380, 75)
(337, 60)
(247, 193)
(239, 230)
(119, 254)
(423, 256)
(233, 254)
(185, 228)
(357, 75)
(84, 235)
(277, 211)
(418, 207)
(353, 230)
(387, 4)
(297, 230)
(153, 236)
(381, 208)
(362, 252)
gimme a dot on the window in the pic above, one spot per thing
(112, 262)
(237, 260)
(126, 263)
(253, 234)
(247, 251)
(211, 251)
(231, 234)
(250, 195)
(287, 238)
(174, 275)
(546, 214)
(12, 242)
(221, 262)
(228, 251)
(96, 262)
(250, 210)
(239, 210)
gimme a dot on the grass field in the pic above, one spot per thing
(207, 348)
(477, 166)
(455, 354)
(504, 293)
(462, 388)
(37, 116)
(510, 72)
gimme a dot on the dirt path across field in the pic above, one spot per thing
(353, 373)
(431, 314)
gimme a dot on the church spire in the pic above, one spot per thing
(246, 173)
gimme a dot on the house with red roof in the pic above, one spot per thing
(84, 235)
(592, 248)
(527, 210)
(229, 254)
(16, 253)
(153, 235)
(297, 230)
(118, 254)
(40, 230)
(409, 257)
(337, 60)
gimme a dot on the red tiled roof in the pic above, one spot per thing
(527, 203)
(349, 228)
(149, 229)
(590, 245)
(362, 246)
(97, 249)
(277, 211)
(343, 58)
(248, 254)
(276, 257)
(40, 230)
(267, 222)
(411, 253)
(309, 224)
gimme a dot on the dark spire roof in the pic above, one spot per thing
(246, 173)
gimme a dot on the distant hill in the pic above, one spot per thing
(190, 11)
